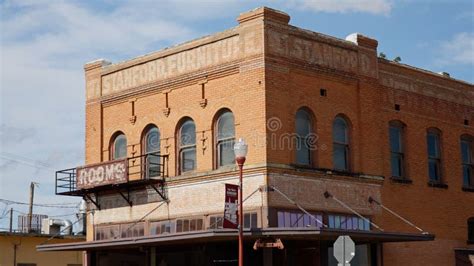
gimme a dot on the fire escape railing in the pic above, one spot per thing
(142, 170)
(65, 181)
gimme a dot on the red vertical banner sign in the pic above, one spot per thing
(231, 206)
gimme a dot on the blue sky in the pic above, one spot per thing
(44, 45)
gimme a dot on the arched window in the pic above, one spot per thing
(304, 129)
(119, 147)
(225, 139)
(467, 156)
(341, 151)
(470, 230)
(187, 146)
(151, 150)
(433, 138)
(397, 149)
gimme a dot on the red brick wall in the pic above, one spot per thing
(443, 212)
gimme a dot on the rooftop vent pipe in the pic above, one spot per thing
(63, 223)
(83, 216)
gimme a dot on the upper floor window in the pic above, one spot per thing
(341, 151)
(470, 230)
(397, 153)
(187, 146)
(303, 137)
(467, 160)
(119, 147)
(151, 149)
(434, 154)
(225, 139)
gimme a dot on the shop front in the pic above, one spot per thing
(270, 246)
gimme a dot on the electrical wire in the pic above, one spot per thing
(5, 211)
(23, 159)
(34, 165)
(46, 205)
(62, 215)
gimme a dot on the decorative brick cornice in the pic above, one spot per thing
(171, 50)
(99, 63)
(363, 41)
(264, 13)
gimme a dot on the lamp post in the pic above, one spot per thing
(240, 150)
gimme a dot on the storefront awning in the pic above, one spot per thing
(229, 235)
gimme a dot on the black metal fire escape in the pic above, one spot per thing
(144, 171)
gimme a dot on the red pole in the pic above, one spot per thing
(240, 162)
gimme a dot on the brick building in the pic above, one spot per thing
(366, 147)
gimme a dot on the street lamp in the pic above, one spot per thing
(240, 151)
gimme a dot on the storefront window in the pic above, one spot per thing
(348, 222)
(189, 225)
(298, 219)
(132, 230)
(159, 228)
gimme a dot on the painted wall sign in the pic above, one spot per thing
(113, 172)
(190, 60)
(196, 58)
(315, 52)
(231, 205)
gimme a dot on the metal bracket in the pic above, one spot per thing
(92, 200)
(159, 192)
(126, 198)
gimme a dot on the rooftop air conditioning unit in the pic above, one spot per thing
(53, 226)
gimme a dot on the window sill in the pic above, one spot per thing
(401, 180)
(302, 166)
(437, 185)
(468, 189)
(326, 170)
(344, 172)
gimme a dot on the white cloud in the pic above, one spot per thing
(376, 7)
(43, 48)
(457, 51)
(44, 45)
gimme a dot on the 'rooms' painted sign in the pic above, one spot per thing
(113, 172)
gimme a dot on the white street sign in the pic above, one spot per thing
(344, 250)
